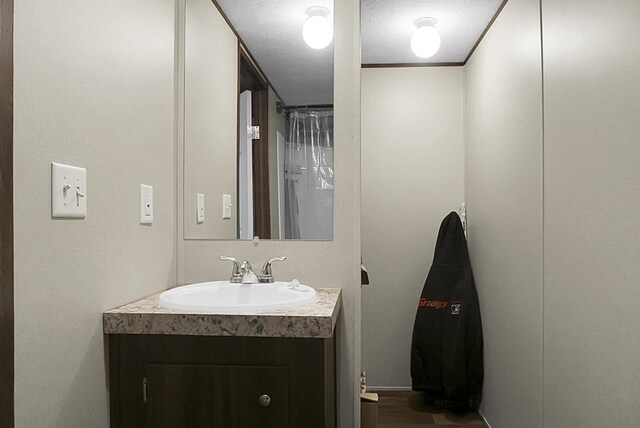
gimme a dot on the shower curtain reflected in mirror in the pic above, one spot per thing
(309, 176)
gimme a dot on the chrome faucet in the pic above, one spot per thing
(242, 272)
(266, 274)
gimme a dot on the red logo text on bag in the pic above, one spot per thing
(435, 304)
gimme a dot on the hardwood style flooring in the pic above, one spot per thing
(405, 409)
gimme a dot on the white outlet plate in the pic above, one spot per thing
(68, 191)
(146, 204)
(200, 208)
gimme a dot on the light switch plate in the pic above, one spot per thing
(226, 207)
(146, 204)
(200, 208)
(68, 191)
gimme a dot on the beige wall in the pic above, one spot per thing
(318, 264)
(94, 87)
(503, 110)
(578, 301)
(211, 120)
(592, 159)
(412, 176)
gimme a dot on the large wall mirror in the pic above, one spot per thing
(258, 123)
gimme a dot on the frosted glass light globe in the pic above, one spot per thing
(317, 32)
(425, 42)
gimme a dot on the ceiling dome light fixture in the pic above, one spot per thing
(425, 42)
(317, 30)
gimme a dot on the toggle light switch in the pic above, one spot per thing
(226, 207)
(68, 191)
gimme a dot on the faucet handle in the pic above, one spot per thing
(236, 275)
(266, 274)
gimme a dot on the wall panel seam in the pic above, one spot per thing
(542, 419)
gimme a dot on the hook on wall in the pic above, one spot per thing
(463, 217)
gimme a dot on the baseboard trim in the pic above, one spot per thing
(388, 388)
(486, 423)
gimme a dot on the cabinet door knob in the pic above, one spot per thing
(264, 400)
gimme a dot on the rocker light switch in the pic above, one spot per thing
(68, 191)
(200, 208)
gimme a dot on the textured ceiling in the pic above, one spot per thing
(272, 30)
(387, 27)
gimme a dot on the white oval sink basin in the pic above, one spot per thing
(224, 297)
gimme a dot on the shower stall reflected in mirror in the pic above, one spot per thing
(306, 160)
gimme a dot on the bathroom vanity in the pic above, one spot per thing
(174, 368)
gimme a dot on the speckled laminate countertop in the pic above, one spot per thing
(146, 316)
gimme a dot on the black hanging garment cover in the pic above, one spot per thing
(446, 349)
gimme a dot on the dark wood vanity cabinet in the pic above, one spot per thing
(165, 381)
(210, 396)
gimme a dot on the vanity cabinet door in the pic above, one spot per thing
(199, 396)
